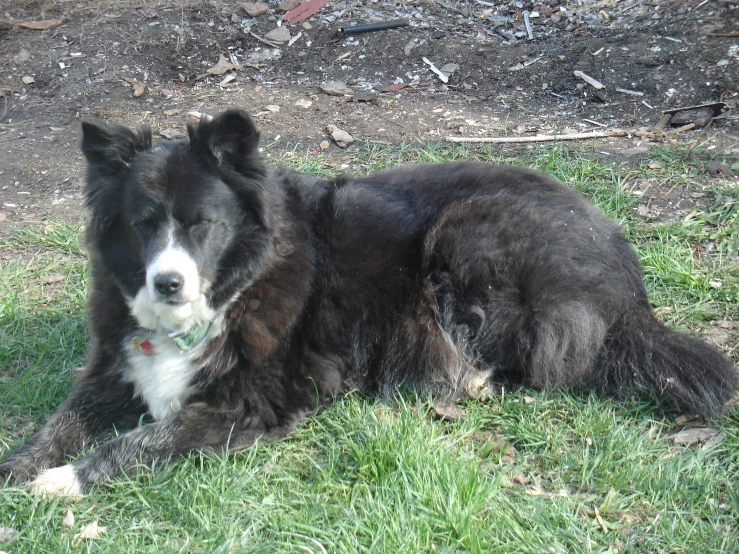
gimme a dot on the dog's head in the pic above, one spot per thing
(179, 226)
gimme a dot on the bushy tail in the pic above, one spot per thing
(643, 354)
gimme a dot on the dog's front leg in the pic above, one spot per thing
(95, 409)
(196, 427)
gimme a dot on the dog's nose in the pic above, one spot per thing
(168, 284)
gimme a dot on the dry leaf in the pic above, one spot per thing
(689, 437)
(521, 479)
(89, 532)
(449, 412)
(223, 66)
(68, 519)
(41, 25)
(170, 113)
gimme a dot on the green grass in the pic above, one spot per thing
(527, 472)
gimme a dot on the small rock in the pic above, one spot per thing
(307, 26)
(138, 89)
(274, 108)
(279, 35)
(172, 134)
(335, 88)
(449, 68)
(253, 9)
(22, 56)
(325, 144)
(303, 103)
(363, 96)
(28, 80)
(340, 137)
(290, 5)
(718, 169)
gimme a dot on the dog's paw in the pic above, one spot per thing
(13, 472)
(55, 481)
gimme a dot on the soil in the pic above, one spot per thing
(153, 64)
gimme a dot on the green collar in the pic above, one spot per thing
(190, 339)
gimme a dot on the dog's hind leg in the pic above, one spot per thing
(94, 410)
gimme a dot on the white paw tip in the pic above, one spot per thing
(58, 480)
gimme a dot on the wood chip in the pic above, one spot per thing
(303, 11)
(200, 116)
(589, 80)
(41, 25)
(439, 73)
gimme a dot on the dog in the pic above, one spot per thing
(231, 299)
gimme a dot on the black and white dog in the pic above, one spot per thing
(230, 299)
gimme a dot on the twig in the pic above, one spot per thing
(527, 22)
(595, 123)
(687, 127)
(722, 34)
(543, 138)
(264, 40)
(599, 519)
(631, 92)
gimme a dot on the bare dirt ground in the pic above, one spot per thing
(155, 62)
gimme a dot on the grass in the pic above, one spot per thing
(528, 472)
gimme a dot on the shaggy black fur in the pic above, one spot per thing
(427, 276)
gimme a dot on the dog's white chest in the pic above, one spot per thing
(162, 374)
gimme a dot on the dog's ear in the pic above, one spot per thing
(230, 139)
(109, 147)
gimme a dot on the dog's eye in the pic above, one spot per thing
(201, 227)
(144, 226)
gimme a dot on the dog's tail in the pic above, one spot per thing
(640, 353)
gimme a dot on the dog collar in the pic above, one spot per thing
(187, 341)
(184, 341)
